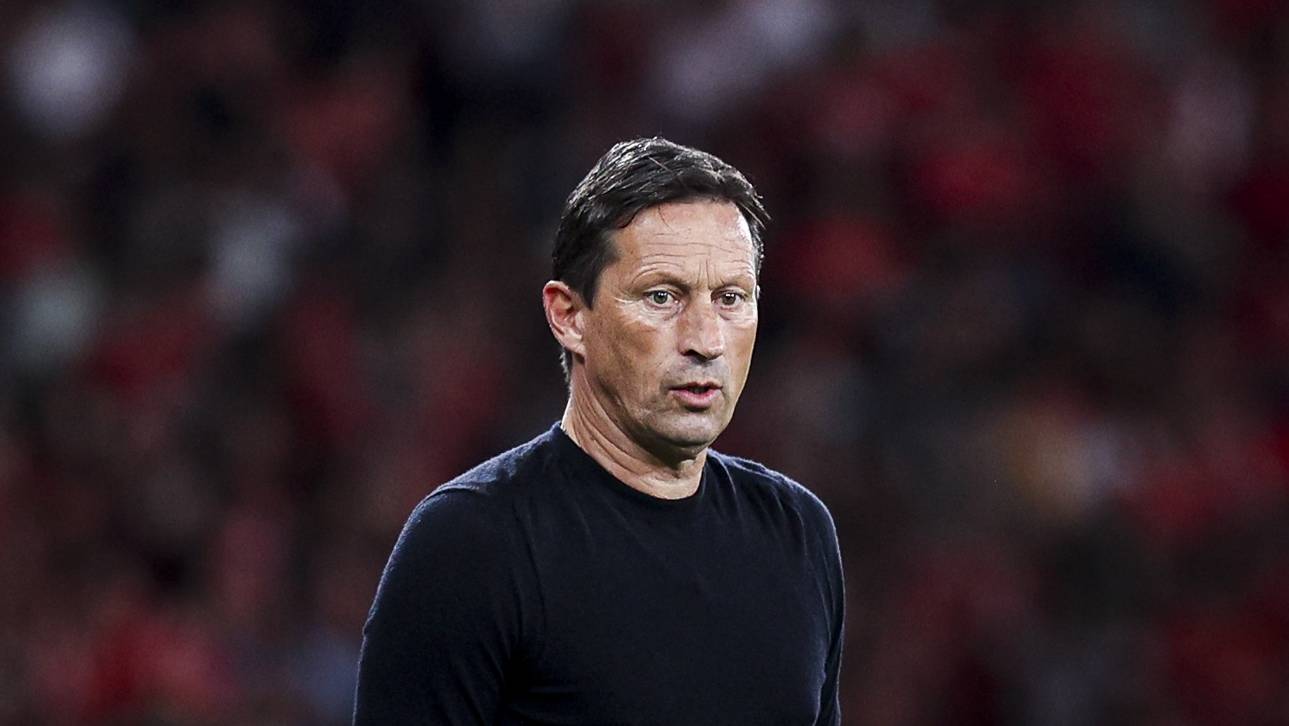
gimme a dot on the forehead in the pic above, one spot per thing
(699, 230)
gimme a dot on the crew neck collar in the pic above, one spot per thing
(584, 466)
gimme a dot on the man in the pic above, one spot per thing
(615, 570)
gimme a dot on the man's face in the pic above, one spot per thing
(669, 338)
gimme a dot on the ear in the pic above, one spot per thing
(565, 315)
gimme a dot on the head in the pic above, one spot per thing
(656, 266)
(630, 177)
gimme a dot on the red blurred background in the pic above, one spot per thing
(270, 271)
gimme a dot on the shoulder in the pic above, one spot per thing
(501, 478)
(458, 563)
(758, 480)
(808, 520)
(478, 503)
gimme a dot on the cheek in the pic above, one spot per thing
(741, 340)
(742, 334)
(629, 353)
(642, 351)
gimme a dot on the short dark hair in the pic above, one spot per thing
(631, 177)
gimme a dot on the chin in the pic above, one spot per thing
(688, 435)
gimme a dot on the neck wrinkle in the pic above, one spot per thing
(588, 425)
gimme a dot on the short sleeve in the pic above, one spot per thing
(447, 618)
(829, 562)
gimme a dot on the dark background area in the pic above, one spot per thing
(270, 272)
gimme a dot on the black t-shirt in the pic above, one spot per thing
(538, 589)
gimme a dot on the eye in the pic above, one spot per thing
(730, 298)
(659, 297)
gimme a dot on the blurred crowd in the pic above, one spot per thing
(270, 271)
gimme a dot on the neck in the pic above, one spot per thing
(590, 427)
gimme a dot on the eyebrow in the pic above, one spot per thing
(654, 277)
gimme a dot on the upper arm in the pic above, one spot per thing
(833, 586)
(446, 620)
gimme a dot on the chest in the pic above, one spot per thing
(706, 621)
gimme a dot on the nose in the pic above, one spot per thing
(701, 334)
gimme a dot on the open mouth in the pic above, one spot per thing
(697, 395)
